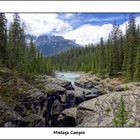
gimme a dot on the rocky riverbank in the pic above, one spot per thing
(46, 101)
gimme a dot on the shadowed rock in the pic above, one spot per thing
(68, 118)
(89, 94)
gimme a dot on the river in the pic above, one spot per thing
(68, 76)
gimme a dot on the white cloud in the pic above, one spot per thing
(37, 24)
(42, 23)
(138, 20)
(89, 33)
(123, 27)
(68, 16)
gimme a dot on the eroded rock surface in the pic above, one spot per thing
(101, 111)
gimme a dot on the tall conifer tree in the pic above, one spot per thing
(3, 37)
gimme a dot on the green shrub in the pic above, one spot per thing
(108, 110)
(126, 87)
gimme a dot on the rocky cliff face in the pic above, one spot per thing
(46, 101)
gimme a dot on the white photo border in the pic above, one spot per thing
(72, 7)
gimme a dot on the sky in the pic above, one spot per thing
(83, 28)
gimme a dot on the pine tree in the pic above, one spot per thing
(125, 47)
(137, 66)
(121, 117)
(101, 58)
(3, 37)
(13, 42)
(120, 53)
(114, 54)
(32, 50)
(16, 44)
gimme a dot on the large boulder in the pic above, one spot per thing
(119, 88)
(67, 85)
(57, 88)
(68, 118)
(89, 94)
(79, 96)
(84, 84)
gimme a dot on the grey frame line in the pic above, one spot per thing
(69, 0)
(75, 13)
(71, 12)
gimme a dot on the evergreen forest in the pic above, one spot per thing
(118, 56)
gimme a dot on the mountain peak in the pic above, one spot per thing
(50, 45)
